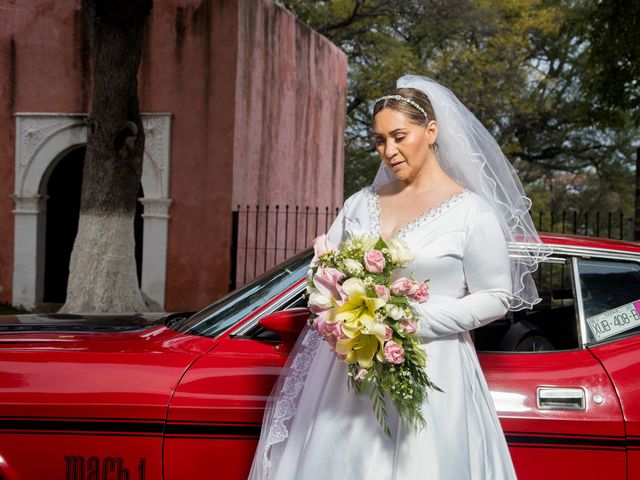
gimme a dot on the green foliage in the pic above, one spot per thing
(613, 33)
(554, 81)
(375, 391)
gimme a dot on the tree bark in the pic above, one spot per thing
(102, 271)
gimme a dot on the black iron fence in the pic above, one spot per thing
(592, 224)
(264, 236)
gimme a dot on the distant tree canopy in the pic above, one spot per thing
(556, 82)
(613, 35)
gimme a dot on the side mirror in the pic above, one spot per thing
(288, 324)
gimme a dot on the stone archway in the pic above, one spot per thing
(41, 138)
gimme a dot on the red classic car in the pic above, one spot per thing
(182, 396)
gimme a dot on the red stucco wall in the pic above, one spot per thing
(189, 70)
(290, 114)
(232, 139)
(290, 109)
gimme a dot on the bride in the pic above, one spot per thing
(446, 189)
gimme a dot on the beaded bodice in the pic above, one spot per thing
(373, 205)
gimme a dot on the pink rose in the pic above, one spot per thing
(334, 329)
(361, 374)
(374, 261)
(326, 281)
(382, 292)
(320, 320)
(409, 325)
(337, 331)
(393, 352)
(388, 333)
(404, 286)
(331, 332)
(421, 293)
(322, 245)
(325, 328)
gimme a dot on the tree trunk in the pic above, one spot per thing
(102, 271)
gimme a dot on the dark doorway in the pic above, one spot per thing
(63, 209)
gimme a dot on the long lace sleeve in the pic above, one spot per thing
(487, 272)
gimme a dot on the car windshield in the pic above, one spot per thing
(611, 297)
(230, 309)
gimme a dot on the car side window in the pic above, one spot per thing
(552, 324)
(237, 305)
(610, 296)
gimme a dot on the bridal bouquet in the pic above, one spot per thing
(369, 323)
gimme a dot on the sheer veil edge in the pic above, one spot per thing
(282, 405)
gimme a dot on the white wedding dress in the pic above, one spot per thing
(333, 433)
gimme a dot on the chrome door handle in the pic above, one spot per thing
(560, 398)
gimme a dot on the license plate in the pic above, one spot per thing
(612, 322)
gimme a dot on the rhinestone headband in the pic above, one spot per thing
(404, 99)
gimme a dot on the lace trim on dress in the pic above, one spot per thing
(374, 211)
(286, 405)
(373, 203)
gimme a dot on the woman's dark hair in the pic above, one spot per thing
(414, 115)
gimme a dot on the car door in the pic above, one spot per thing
(556, 403)
(215, 415)
(611, 297)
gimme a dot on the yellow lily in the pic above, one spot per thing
(364, 333)
(358, 307)
(361, 349)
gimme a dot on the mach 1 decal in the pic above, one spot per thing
(97, 468)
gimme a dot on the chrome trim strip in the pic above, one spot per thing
(558, 260)
(580, 251)
(582, 332)
(242, 329)
(547, 247)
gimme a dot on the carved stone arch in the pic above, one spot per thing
(41, 140)
(44, 179)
